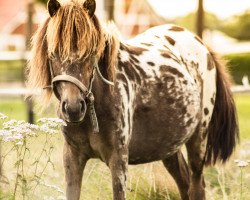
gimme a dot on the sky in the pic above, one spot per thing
(222, 8)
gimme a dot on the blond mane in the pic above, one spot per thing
(72, 34)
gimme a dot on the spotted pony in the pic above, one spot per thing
(133, 102)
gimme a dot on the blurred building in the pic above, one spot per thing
(135, 16)
(13, 18)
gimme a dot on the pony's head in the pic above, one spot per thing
(65, 51)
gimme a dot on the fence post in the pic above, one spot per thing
(29, 32)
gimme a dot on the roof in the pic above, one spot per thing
(135, 16)
(9, 10)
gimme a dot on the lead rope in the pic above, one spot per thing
(90, 96)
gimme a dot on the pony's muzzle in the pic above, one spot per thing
(73, 112)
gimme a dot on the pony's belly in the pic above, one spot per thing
(161, 127)
(154, 140)
(150, 151)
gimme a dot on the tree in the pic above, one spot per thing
(238, 26)
(200, 19)
(210, 21)
(42, 1)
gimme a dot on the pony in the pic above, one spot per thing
(135, 101)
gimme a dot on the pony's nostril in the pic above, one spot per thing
(82, 106)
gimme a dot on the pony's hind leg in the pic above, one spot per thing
(178, 168)
(196, 154)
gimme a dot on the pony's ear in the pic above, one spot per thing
(53, 6)
(90, 6)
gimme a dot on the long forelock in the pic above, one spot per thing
(72, 34)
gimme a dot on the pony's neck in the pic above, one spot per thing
(107, 66)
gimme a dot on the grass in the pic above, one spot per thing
(14, 108)
(243, 108)
(149, 181)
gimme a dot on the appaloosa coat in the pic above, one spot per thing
(168, 90)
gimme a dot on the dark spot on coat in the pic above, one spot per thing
(122, 139)
(147, 44)
(142, 72)
(189, 122)
(128, 68)
(212, 101)
(206, 111)
(176, 28)
(124, 80)
(184, 110)
(204, 124)
(170, 40)
(170, 100)
(134, 59)
(132, 49)
(166, 68)
(157, 36)
(151, 64)
(210, 62)
(136, 50)
(165, 54)
(198, 39)
(185, 82)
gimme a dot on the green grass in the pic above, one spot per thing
(14, 108)
(149, 181)
(243, 109)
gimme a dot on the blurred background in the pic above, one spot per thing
(224, 25)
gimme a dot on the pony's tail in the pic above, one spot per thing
(223, 131)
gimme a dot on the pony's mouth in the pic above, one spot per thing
(72, 121)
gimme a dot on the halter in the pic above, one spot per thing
(83, 88)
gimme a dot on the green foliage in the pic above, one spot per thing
(188, 21)
(239, 66)
(238, 26)
(42, 1)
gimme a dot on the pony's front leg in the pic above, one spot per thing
(74, 164)
(118, 165)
